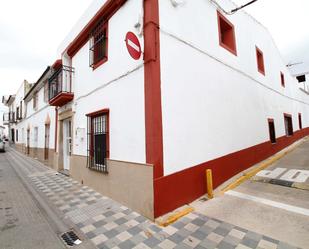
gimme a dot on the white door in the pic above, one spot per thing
(66, 144)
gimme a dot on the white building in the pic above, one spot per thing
(150, 94)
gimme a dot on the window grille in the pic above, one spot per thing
(272, 132)
(288, 124)
(98, 44)
(97, 142)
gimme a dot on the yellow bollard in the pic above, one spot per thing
(209, 183)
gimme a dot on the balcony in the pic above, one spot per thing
(6, 118)
(60, 86)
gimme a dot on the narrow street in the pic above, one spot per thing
(39, 204)
(22, 222)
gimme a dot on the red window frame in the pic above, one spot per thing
(300, 123)
(260, 60)
(91, 116)
(282, 79)
(272, 135)
(226, 30)
(288, 124)
(96, 62)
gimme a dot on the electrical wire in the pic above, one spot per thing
(233, 11)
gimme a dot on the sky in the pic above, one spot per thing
(31, 31)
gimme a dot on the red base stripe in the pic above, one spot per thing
(175, 190)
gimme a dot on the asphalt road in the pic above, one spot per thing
(23, 225)
(276, 211)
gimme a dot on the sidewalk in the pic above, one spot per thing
(109, 224)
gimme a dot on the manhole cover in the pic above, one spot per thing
(70, 238)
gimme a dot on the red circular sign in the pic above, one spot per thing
(133, 45)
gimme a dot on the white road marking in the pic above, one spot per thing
(133, 45)
(276, 204)
(292, 175)
(271, 173)
(296, 175)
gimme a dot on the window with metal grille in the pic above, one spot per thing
(288, 124)
(98, 44)
(98, 140)
(272, 132)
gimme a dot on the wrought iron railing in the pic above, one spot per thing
(61, 81)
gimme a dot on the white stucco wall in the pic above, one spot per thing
(215, 103)
(37, 118)
(118, 85)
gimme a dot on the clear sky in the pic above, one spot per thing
(31, 31)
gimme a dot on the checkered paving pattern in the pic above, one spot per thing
(108, 224)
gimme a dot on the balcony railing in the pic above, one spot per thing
(60, 86)
(12, 118)
(6, 118)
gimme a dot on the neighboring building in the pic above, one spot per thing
(36, 127)
(2, 131)
(208, 91)
(9, 118)
(301, 72)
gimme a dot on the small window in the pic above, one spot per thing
(300, 121)
(98, 140)
(46, 91)
(226, 34)
(288, 124)
(260, 61)
(301, 78)
(35, 101)
(272, 132)
(282, 79)
(98, 44)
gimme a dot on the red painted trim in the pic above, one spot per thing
(56, 127)
(300, 123)
(152, 73)
(57, 64)
(230, 39)
(175, 190)
(282, 79)
(61, 99)
(260, 60)
(98, 113)
(104, 59)
(106, 11)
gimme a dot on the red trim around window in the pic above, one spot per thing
(260, 60)
(105, 58)
(106, 11)
(300, 123)
(282, 79)
(226, 30)
(96, 114)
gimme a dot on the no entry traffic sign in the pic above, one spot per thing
(133, 45)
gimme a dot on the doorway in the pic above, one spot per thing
(67, 143)
(46, 147)
(28, 142)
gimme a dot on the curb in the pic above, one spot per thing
(247, 175)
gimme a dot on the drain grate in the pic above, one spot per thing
(70, 238)
(281, 182)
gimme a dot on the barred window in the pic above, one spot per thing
(98, 140)
(98, 44)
